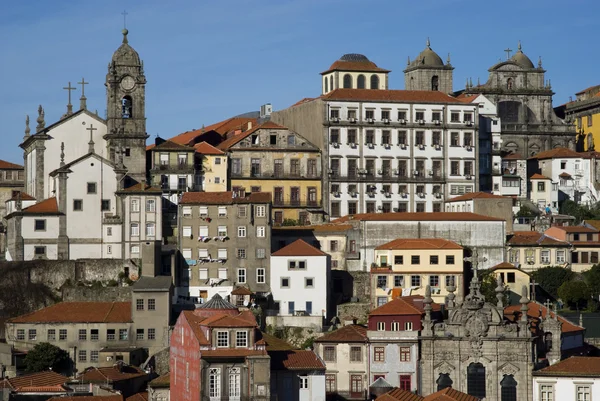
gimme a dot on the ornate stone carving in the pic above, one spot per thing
(508, 369)
(444, 367)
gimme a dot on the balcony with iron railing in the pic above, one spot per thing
(276, 175)
(178, 167)
(391, 176)
(302, 203)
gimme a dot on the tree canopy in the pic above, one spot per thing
(45, 356)
(551, 278)
(574, 293)
(592, 278)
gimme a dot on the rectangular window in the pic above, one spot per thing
(285, 282)
(241, 253)
(370, 137)
(242, 211)
(135, 206)
(415, 281)
(151, 304)
(454, 168)
(545, 256)
(381, 281)
(583, 393)
(40, 225)
(77, 205)
(260, 231)
(260, 276)
(94, 356)
(214, 383)
(291, 308)
(21, 334)
(379, 354)
(434, 259)
(62, 334)
(222, 339)
(398, 259)
(40, 250)
(150, 230)
(123, 334)
(82, 336)
(150, 205)
(81, 355)
(135, 229)
(151, 334)
(449, 259)
(203, 211)
(261, 211)
(241, 276)
(560, 256)
(455, 117)
(139, 304)
(222, 254)
(329, 353)
(110, 335)
(50, 336)
(405, 382)
(415, 259)
(139, 334)
(241, 338)
(450, 280)
(434, 281)
(94, 336)
(330, 383)
(355, 354)
(398, 281)
(404, 354)
(32, 335)
(419, 115)
(105, 205)
(91, 187)
(309, 282)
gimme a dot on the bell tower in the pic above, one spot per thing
(126, 110)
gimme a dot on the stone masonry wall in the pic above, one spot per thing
(96, 294)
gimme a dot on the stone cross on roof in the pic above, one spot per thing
(82, 99)
(508, 51)
(69, 106)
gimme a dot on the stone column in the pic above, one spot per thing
(39, 171)
(63, 239)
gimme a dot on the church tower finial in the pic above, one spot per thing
(62, 154)
(428, 43)
(40, 120)
(524, 301)
(91, 142)
(27, 130)
(83, 99)
(125, 32)
(520, 47)
(540, 62)
(448, 59)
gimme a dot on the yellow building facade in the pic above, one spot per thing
(584, 112)
(212, 164)
(407, 266)
(271, 158)
(513, 278)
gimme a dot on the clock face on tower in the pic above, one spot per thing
(127, 83)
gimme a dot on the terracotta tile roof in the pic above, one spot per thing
(226, 320)
(419, 243)
(564, 175)
(234, 139)
(295, 360)
(399, 395)
(194, 323)
(513, 156)
(537, 176)
(161, 381)
(525, 238)
(79, 312)
(317, 228)
(241, 291)
(343, 65)
(557, 153)
(231, 353)
(4, 165)
(143, 396)
(576, 229)
(593, 223)
(536, 310)
(276, 344)
(110, 373)
(305, 100)
(137, 188)
(206, 148)
(587, 89)
(575, 366)
(47, 206)
(352, 333)
(389, 95)
(23, 195)
(411, 305)
(417, 216)
(223, 198)
(299, 248)
(40, 379)
(449, 394)
(42, 389)
(151, 146)
(476, 195)
(116, 397)
(504, 265)
(222, 128)
(170, 145)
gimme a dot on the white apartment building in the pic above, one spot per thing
(576, 378)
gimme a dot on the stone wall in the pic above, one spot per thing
(96, 293)
(359, 310)
(301, 337)
(361, 285)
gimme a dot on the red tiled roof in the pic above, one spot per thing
(223, 198)
(389, 95)
(40, 379)
(206, 148)
(161, 381)
(513, 156)
(417, 216)
(295, 360)
(419, 243)
(537, 176)
(411, 305)
(317, 228)
(222, 128)
(366, 66)
(399, 395)
(110, 373)
(564, 175)
(449, 394)
(575, 366)
(352, 333)
(234, 139)
(503, 265)
(476, 195)
(576, 229)
(305, 100)
(593, 223)
(116, 397)
(143, 396)
(533, 238)
(170, 145)
(24, 196)
(46, 206)
(4, 165)
(589, 89)
(79, 312)
(138, 188)
(41, 389)
(557, 153)
(241, 291)
(194, 323)
(536, 310)
(299, 248)
(230, 352)
(226, 320)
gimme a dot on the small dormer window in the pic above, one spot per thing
(348, 81)
(273, 139)
(360, 83)
(241, 339)
(374, 82)
(126, 107)
(222, 339)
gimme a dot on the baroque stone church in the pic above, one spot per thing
(516, 86)
(484, 350)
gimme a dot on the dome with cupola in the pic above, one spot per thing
(354, 62)
(521, 59)
(125, 54)
(427, 58)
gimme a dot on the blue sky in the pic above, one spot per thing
(207, 60)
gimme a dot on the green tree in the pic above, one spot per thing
(524, 211)
(592, 278)
(574, 293)
(551, 278)
(488, 286)
(580, 212)
(45, 356)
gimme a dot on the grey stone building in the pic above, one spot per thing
(428, 72)
(224, 240)
(524, 100)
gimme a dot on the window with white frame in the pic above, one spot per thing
(380, 326)
(235, 383)
(222, 254)
(222, 339)
(186, 253)
(135, 249)
(260, 231)
(222, 231)
(202, 253)
(135, 229)
(187, 211)
(203, 211)
(260, 253)
(202, 231)
(150, 229)
(545, 256)
(260, 275)
(546, 392)
(222, 273)
(203, 274)
(583, 393)
(222, 211)
(150, 205)
(242, 231)
(241, 275)
(303, 382)
(408, 326)
(241, 338)
(560, 256)
(135, 205)
(261, 211)
(241, 253)
(395, 326)
(186, 231)
(214, 383)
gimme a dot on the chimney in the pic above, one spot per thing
(249, 125)
(143, 182)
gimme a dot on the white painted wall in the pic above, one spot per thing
(142, 218)
(51, 251)
(28, 227)
(565, 387)
(315, 390)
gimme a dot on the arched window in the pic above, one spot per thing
(374, 82)
(548, 338)
(326, 85)
(360, 83)
(331, 82)
(347, 81)
(476, 380)
(443, 381)
(509, 83)
(126, 107)
(508, 388)
(434, 83)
